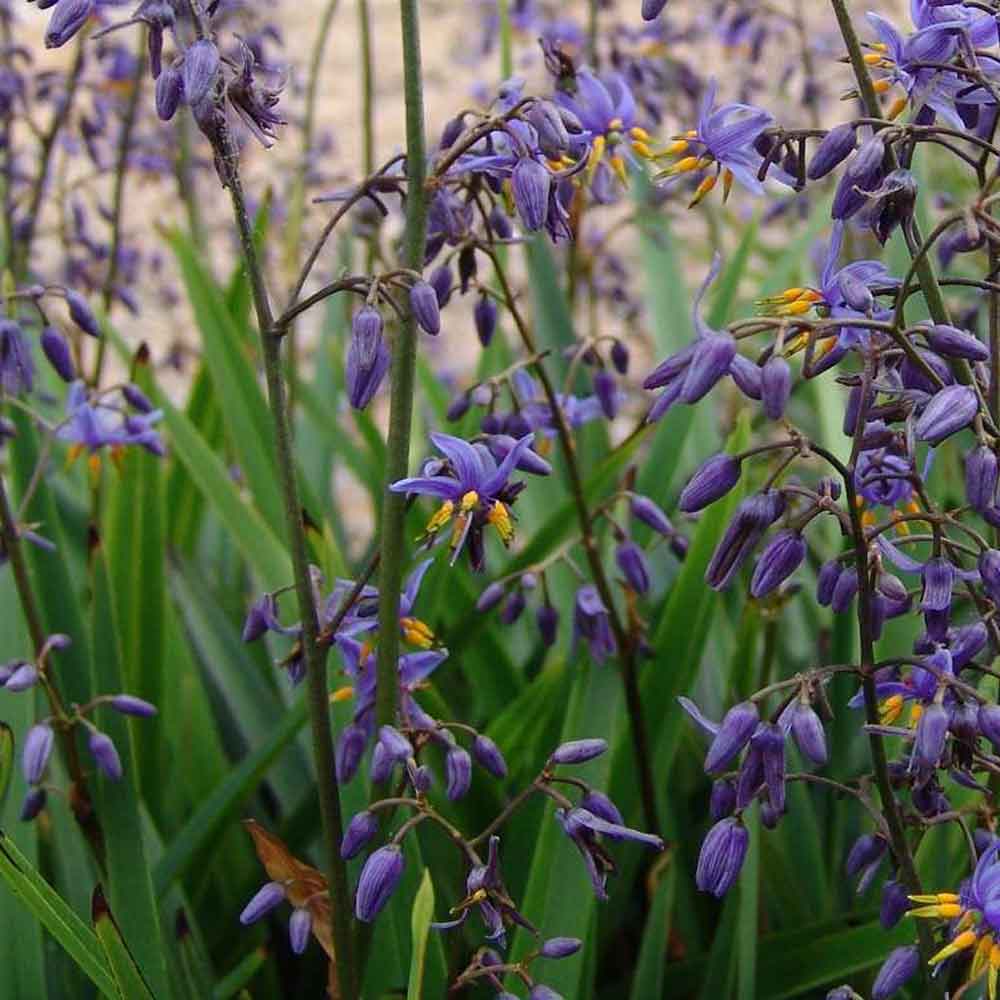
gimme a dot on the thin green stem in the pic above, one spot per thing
(506, 40)
(404, 354)
(367, 89)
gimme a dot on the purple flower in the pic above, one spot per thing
(896, 971)
(732, 736)
(722, 855)
(17, 368)
(104, 752)
(361, 829)
(299, 929)
(476, 492)
(378, 881)
(578, 751)
(948, 411)
(97, 424)
(36, 752)
(363, 379)
(781, 557)
(530, 185)
(752, 519)
(716, 477)
(254, 104)
(591, 622)
(67, 19)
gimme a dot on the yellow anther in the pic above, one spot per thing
(895, 109)
(597, 150)
(727, 184)
(933, 897)
(873, 58)
(618, 166)
(685, 166)
(868, 519)
(94, 466)
(797, 308)
(616, 124)
(859, 501)
(994, 969)
(441, 517)
(676, 147)
(903, 527)
(469, 500)
(880, 46)
(555, 164)
(345, 693)
(945, 911)
(890, 709)
(75, 451)
(881, 86)
(691, 133)
(796, 344)
(365, 652)
(964, 941)
(982, 957)
(416, 632)
(639, 134)
(913, 507)
(499, 517)
(823, 349)
(916, 710)
(703, 189)
(641, 149)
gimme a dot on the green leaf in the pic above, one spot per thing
(129, 881)
(240, 975)
(50, 910)
(420, 924)
(219, 808)
(649, 969)
(123, 967)
(6, 761)
(244, 409)
(255, 539)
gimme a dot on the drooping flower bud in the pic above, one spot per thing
(981, 473)
(33, 804)
(752, 519)
(734, 733)
(988, 722)
(747, 375)
(606, 391)
(932, 730)
(81, 313)
(938, 579)
(896, 971)
(512, 607)
(200, 70)
(722, 801)
(378, 881)
(775, 386)
(490, 597)
(128, 704)
(651, 9)
(948, 411)
(458, 768)
(826, 581)
(619, 357)
(169, 93)
(441, 281)
(632, 562)
(264, 900)
(894, 904)
(835, 147)
(36, 752)
(105, 754)
(484, 315)
(955, 343)
(810, 737)
(861, 175)
(713, 354)
(716, 477)
(426, 311)
(864, 852)
(488, 756)
(553, 138)
(22, 678)
(362, 380)
(299, 929)
(722, 855)
(361, 829)
(67, 19)
(530, 186)
(560, 947)
(645, 510)
(56, 350)
(781, 557)
(547, 619)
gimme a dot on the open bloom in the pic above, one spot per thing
(475, 491)
(724, 140)
(92, 424)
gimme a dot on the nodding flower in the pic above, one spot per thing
(724, 143)
(974, 919)
(476, 493)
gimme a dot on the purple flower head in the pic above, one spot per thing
(722, 855)
(363, 379)
(488, 756)
(92, 424)
(780, 558)
(716, 477)
(948, 411)
(751, 520)
(56, 350)
(254, 104)
(378, 881)
(36, 752)
(578, 751)
(632, 562)
(732, 736)
(361, 829)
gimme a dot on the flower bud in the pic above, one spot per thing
(578, 751)
(948, 411)
(424, 303)
(67, 19)
(981, 472)
(350, 748)
(747, 375)
(651, 9)
(488, 756)
(512, 607)
(36, 751)
(57, 352)
(955, 343)
(530, 186)
(458, 768)
(857, 294)
(619, 357)
(781, 557)
(553, 139)
(264, 900)
(753, 517)
(359, 832)
(632, 562)
(895, 902)
(932, 730)
(560, 947)
(81, 313)
(938, 579)
(896, 971)
(33, 804)
(440, 281)
(378, 881)
(722, 801)
(130, 705)
(103, 750)
(201, 67)
(775, 386)
(500, 223)
(362, 380)
(722, 855)
(606, 391)
(169, 93)
(366, 329)
(861, 175)
(299, 929)
(547, 619)
(988, 722)
(22, 678)
(136, 398)
(734, 733)
(490, 597)
(645, 510)
(834, 148)
(844, 590)
(810, 737)
(601, 806)
(865, 851)
(484, 315)
(713, 354)
(716, 477)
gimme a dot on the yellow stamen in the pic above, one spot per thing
(945, 911)
(441, 517)
(727, 184)
(797, 308)
(469, 500)
(618, 166)
(796, 344)
(982, 957)
(880, 46)
(345, 693)
(616, 124)
(916, 711)
(685, 166)
(873, 58)
(994, 969)
(597, 150)
(94, 466)
(881, 86)
(895, 109)
(500, 518)
(703, 189)
(964, 941)
(868, 519)
(933, 897)
(859, 501)
(639, 134)
(676, 147)
(365, 652)
(75, 451)
(902, 527)
(890, 709)
(641, 149)
(417, 633)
